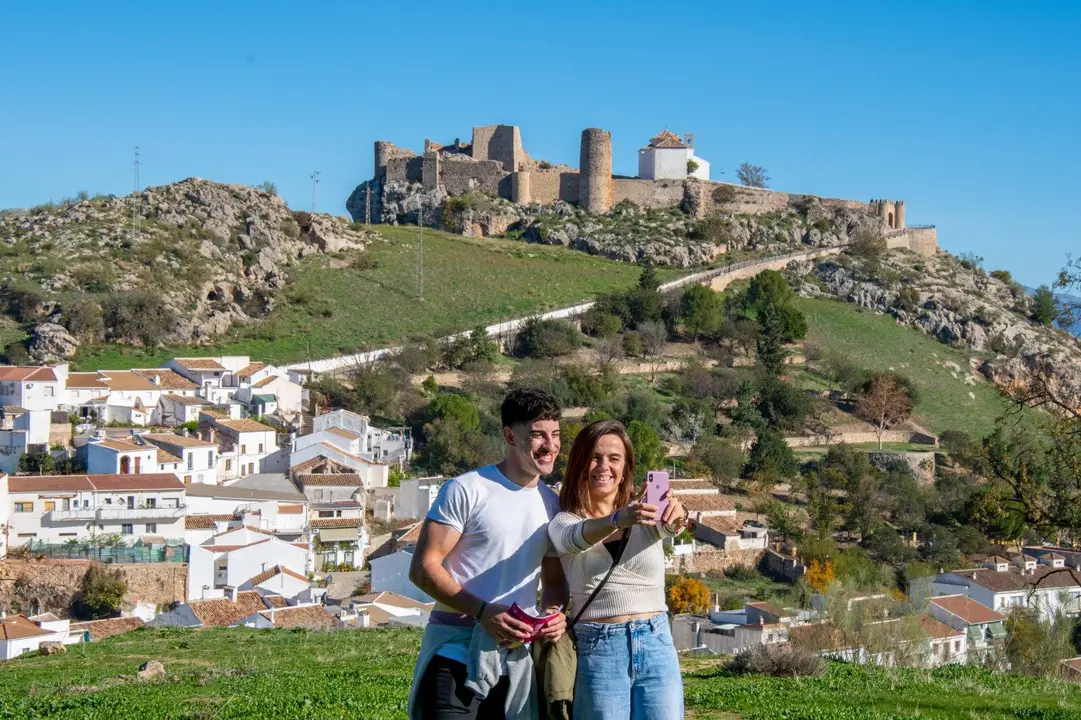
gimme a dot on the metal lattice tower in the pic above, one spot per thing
(135, 202)
(420, 257)
(315, 182)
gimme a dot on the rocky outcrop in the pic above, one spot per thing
(955, 302)
(52, 343)
(209, 254)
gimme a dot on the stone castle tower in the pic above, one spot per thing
(892, 212)
(595, 171)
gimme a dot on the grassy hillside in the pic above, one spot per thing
(332, 308)
(876, 342)
(226, 674)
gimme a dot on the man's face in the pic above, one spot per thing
(536, 444)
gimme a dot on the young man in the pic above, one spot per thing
(484, 546)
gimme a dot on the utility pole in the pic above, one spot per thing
(315, 182)
(420, 257)
(135, 202)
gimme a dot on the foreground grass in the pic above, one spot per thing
(878, 343)
(331, 308)
(849, 692)
(239, 673)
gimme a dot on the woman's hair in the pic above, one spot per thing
(574, 493)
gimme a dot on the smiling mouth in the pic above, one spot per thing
(544, 457)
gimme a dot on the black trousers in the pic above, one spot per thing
(442, 694)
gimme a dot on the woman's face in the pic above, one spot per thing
(606, 467)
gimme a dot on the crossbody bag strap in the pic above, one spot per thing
(600, 586)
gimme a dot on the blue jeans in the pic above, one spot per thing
(627, 670)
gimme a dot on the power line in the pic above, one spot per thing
(135, 202)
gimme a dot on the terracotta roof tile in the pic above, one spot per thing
(145, 481)
(967, 609)
(336, 523)
(15, 627)
(275, 601)
(187, 400)
(385, 597)
(330, 479)
(342, 432)
(312, 617)
(204, 522)
(33, 373)
(245, 425)
(86, 380)
(126, 380)
(678, 485)
(199, 363)
(165, 457)
(706, 503)
(167, 379)
(122, 445)
(250, 369)
(223, 612)
(938, 630)
(184, 441)
(48, 483)
(265, 381)
(729, 524)
(290, 509)
(276, 570)
(1013, 581)
(412, 535)
(101, 629)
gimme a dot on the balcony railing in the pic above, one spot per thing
(117, 512)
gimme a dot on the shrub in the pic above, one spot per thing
(970, 261)
(139, 315)
(732, 602)
(723, 194)
(722, 458)
(1003, 275)
(688, 595)
(771, 457)
(102, 590)
(867, 244)
(632, 344)
(822, 225)
(711, 229)
(24, 300)
(16, 354)
(84, 320)
(363, 260)
(268, 187)
(776, 660)
(691, 167)
(546, 339)
(742, 573)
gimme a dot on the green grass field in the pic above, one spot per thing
(467, 281)
(878, 343)
(239, 673)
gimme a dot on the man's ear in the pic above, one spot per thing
(508, 436)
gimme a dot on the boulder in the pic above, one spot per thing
(51, 648)
(52, 343)
(151, 669)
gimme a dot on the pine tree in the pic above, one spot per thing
(771, 335)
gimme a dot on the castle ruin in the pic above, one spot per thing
(496, 163)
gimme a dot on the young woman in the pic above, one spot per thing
(627, 663)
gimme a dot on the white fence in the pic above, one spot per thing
(509, 327)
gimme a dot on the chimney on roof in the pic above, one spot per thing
(156, 379)
(232, 593)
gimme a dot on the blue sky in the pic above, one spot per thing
(970, 112)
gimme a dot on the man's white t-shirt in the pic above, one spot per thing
(504, 529)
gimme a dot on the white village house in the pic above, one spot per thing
(670, 157)
(1045, 584)
(59, 508)
(20, 634)
(238, 557)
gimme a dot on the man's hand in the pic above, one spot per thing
(555, 627)
(504, 628)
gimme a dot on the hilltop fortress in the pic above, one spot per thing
(495, 163)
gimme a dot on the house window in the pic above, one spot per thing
(318, 494)
(228, 465)
(187, 479)
(50, 505)
(138, 465)
(50, 391)
(243, 449)
(24, 507)
(151, 502)
(126, 529)
(191, 461)
(251, 468)
(151, 527)
(348, 557)
(210, 459)
(957, 646)
(260, 448)
(329, 558)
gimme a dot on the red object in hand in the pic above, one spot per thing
(530, 619)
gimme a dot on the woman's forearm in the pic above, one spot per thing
(597, 529)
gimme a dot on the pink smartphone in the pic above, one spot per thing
(656, 486)
(518, 613)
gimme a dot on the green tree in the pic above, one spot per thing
(753, 175)
(632, 344)
(770, 288)
(770, 457)
(648, 450)
(770, 347)
(1044, 306)
(781, 405)
(430, 386)
(484, 347)
(102, 590)
(648, 280)
(452, 406)
(40, 463)
(701, 311)
(722, 457)
(539, 338)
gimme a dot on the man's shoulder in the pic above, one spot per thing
(475, 478)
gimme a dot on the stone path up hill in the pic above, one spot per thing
(200, 257)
